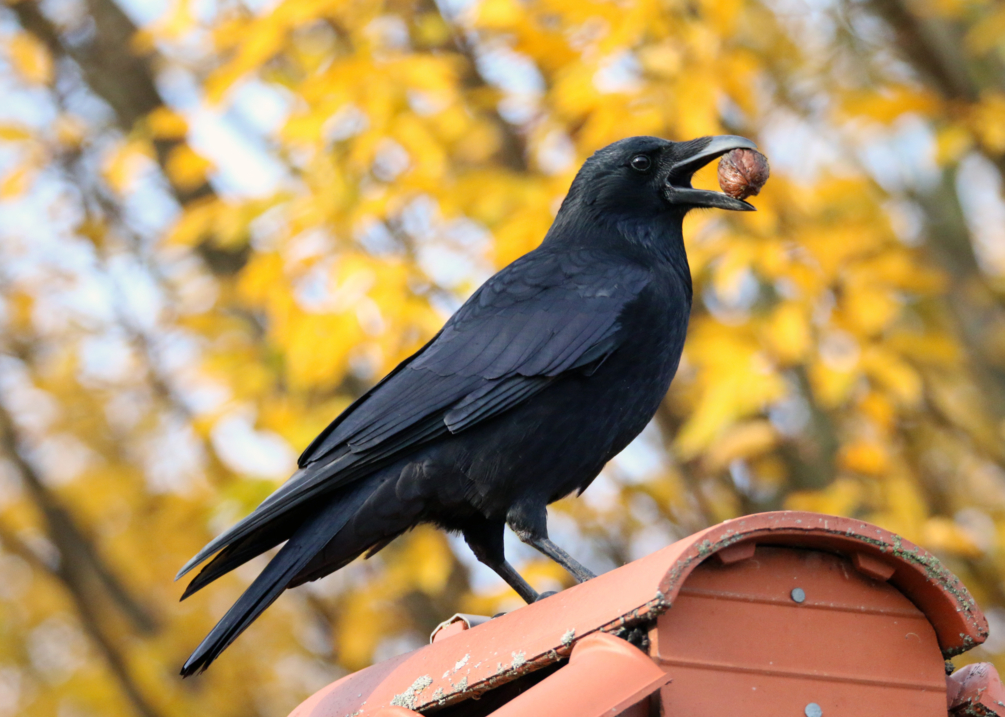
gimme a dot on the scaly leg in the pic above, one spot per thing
(485, 538)
(531, 526)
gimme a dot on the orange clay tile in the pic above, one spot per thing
(826, 616)
(976, 691)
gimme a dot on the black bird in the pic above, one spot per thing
(546, 373)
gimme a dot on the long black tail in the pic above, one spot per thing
(251, 546)
(308, 540)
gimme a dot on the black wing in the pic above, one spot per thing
(544, 315)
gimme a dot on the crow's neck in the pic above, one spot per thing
(654, 241)
(661, 241)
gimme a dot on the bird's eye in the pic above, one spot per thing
(641, 163)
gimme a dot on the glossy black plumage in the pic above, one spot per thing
(549, 370)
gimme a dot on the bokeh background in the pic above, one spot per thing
(221, 220)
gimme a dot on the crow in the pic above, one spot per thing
(546, 373)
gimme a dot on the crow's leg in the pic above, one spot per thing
(531, 526)
(575, 568)
(485, 538)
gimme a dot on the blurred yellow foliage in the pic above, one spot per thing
(167, 124)
(177, 323)
(15, 182)
(185, 168)
(30, 58)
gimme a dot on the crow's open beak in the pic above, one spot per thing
(682, 171)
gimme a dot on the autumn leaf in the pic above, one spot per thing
(170, 343)
(30, 58)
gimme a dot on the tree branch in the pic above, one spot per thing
(89, 621)
(127, 84)
(79, 563)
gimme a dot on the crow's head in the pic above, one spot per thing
(649, 175)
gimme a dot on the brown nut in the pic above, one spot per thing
(742, 173)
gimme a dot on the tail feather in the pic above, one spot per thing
(340, 551)
(310, 538)
(384, 516)
(242, 551)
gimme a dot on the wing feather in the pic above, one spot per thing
(544, 315)
(491, 398)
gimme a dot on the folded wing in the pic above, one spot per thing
(538, 319)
